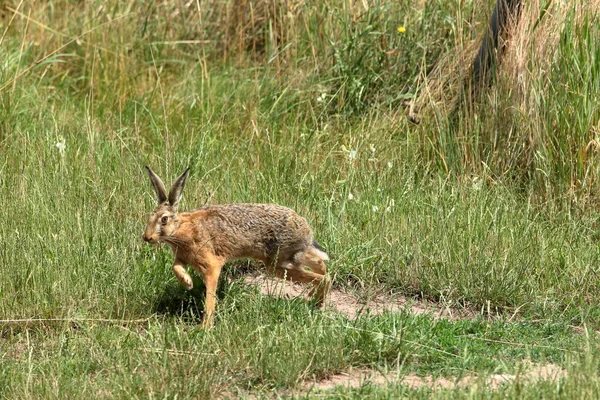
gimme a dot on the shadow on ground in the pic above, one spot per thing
(177, 301)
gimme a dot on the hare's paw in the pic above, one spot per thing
(186, 282)
(319, 292)
(182, 276)
(207, 323)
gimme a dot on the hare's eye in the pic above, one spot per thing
(164, 219)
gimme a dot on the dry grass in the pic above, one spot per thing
(538, 122)
(529, 53)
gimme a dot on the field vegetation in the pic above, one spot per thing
(488, 205)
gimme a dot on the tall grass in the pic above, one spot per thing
(525, 127)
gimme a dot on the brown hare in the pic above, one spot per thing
(208, 237)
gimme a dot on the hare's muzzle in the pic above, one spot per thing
(148, 239)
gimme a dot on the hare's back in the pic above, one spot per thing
(253, 225)
(267, 217)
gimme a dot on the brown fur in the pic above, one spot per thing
(210, 236)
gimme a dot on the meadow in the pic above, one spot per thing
(488, 206)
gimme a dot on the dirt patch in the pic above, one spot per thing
(355, 378)
(16, 352)
(358, 378)
(530, 373)
(352, 306)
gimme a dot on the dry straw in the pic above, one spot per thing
(529, 51)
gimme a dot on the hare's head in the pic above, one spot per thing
(163, 221)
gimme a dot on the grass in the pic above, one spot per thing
(261, 345)
(303, 107)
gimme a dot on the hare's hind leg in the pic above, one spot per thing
(311, 261)
(317, 264)
(295, 272)
(319, 291)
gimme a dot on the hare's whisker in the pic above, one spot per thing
(174, 240)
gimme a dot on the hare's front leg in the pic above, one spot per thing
(211, 274)
(182, 276)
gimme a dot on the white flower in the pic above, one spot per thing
(372, 149)
(61, 146)
(319, 99)
(352, 155)
(390, 164)
(350, 196)
(392, 203)
(375, 208)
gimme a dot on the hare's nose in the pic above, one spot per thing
(146, 238)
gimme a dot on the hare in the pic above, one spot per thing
(208, 237)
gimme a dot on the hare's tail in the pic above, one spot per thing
(316, 250)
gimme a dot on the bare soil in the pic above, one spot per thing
(355, 378)
(352, 306)
(530, 372)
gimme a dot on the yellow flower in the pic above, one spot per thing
(401, 29)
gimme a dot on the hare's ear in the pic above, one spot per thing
(159, 186)
(177, 189)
